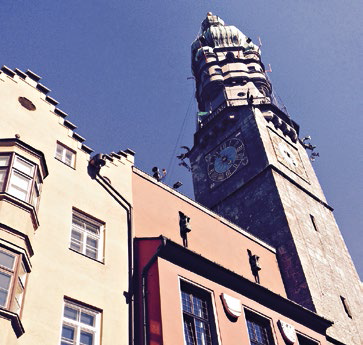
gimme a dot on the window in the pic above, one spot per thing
(87, 236)
(13, 276)
(251, 68)
(313, 221)
(346, 306)
(20, 178)
(81, 325)
(259, 329)
(198, 318)
(306, 341)
(65, 155)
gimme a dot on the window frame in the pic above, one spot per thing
(14, 301)
(261, 321)
(86, 234)
(207, 297)
(62, 157)
(77, 324)
(12, 169)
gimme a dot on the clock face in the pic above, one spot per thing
(224, 160)
(288, 155)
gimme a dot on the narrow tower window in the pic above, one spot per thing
(346, 306)
(314, 222)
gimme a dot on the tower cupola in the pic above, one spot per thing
(227, 68)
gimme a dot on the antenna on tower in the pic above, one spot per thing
(269, 70)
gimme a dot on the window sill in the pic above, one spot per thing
(86, 256)
(22, 204)
(70, 166)
(15, 321)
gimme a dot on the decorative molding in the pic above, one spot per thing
(287, 331)
(233, 306)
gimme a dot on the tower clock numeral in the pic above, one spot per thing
(228, 173)
(240, 148)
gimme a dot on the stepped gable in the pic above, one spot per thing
(33, 79)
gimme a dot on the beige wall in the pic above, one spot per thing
(58, 271)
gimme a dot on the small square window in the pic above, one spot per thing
(65, 155)
(252, 68)
(20, 178)
(87, 236)
(81, 324)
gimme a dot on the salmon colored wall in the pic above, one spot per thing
(229, 332)
(156, 212)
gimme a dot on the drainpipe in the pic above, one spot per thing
(94, 167)
(144, 274)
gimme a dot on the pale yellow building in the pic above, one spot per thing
(63, 238)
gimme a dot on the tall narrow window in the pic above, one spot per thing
(87, 236)
(313, 221)
(12, 280)
(346, 306)
(65, 155)
(20, 178)
(259, 329)
(198, 318)
(81, 325)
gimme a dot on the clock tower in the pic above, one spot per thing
(250, 166)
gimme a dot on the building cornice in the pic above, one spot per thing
(202, 266)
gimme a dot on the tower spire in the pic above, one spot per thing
(227, 68)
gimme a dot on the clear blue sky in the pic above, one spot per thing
(120, 69)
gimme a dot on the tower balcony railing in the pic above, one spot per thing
(231, 102)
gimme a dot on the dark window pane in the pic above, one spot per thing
(258, 332)
(7, 260)
(86, 338)
(187, 305)
(87, 319)
(202, 333)
(188, 331)
(68, 332)
(3, 296)
(71, 313)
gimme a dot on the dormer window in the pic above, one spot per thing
(20, 178)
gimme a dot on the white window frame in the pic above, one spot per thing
(191, 288)
(82, 245)
(15, 169)
(61, 152)
(78, 326)
(18, 276)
